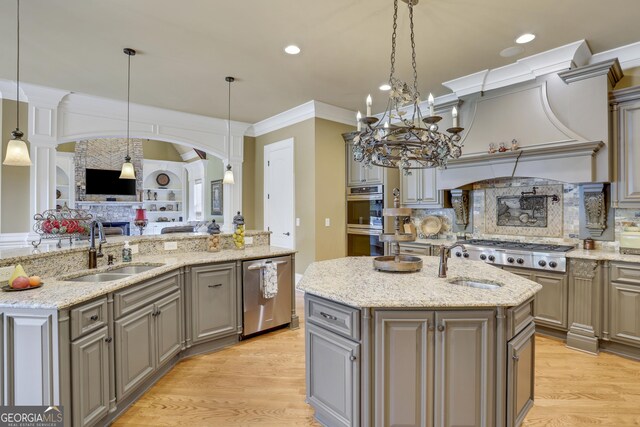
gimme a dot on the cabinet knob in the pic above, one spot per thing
(441, 328)
(108, 339)
(516, 357)
(94, 317)
(328, 316)
(352, 358)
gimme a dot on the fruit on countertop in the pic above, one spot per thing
(35, 281)
(20, 282)
(18, 272)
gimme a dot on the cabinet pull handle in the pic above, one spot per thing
(516, 357)
(108, 339)
(328, 316)
(441, 328)
(94, 317)
(352, 358)
(217, 285)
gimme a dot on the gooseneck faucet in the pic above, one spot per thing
(94, 253)
(444, 254)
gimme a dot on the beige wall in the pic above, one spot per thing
(330, 189)
(160, 150)
(303, 134)
(67, 147)
(248, 177)
(631, 78)
(15, 179)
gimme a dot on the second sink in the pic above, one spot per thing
(100, 277)
(475, 284)
(134, 269)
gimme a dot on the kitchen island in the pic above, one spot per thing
(413, 349)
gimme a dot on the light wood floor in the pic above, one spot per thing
(261, 382)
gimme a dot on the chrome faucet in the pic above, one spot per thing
(444, 254)
(93, 253)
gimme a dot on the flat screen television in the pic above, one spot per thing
(102, 181)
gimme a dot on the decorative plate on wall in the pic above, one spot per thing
(163, 179)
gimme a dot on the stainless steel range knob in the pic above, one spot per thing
(553, 264)
(492, 258)
(483, 257)
(542, 263)
(466, 255)
(510, 259)
(520, 261)
(458, 254)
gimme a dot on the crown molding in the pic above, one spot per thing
(629, 56)
(610, 68)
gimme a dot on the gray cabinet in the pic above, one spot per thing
(464, 369)
(551, 303)
(625, 313)
(520, 375)
(359, 174)
(447, 381)
(626, 117)
(333, 377)
(90, 377)
(213, 302)
(168, 327)
(420, 189)
(135, 350)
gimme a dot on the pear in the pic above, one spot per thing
(17, 272)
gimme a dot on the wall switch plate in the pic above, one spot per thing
(248, 240)
(170, 246)
(5, 272)
(135, 249)
(327, 222)
(297, 222)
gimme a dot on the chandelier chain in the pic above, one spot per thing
(393, 40)
(413, 57)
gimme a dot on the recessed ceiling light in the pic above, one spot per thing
(385, 87)
(525, 38)
(292, 49)
(511, 51)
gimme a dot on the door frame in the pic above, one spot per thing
(285, 143)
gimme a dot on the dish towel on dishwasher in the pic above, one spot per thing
(269, 280)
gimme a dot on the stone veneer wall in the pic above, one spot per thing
(106, 153)
(571, 213)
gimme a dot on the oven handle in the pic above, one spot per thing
(361, 197)
(263, 265)
(364, 232)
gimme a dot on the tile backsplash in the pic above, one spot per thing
(570, 213)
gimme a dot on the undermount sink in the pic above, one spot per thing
(475, 284)
(100, 277)
(135, 269)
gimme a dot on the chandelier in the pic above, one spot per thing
(399, 140)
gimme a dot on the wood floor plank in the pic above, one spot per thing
(260, 382)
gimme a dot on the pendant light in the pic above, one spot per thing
(128, 172)
(228, 175)
(17, 151)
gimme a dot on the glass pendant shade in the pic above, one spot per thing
(128, 172)
(17, 152)
(228, 176)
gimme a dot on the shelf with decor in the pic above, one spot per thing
(65, 178)
(164, 185)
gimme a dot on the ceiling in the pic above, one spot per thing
(187, 47)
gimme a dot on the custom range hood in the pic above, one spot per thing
(560, 121)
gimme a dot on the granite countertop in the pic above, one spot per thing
(602, 255)
(59, 294)
(47, 247)
(353, 281)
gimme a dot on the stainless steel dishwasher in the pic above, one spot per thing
(260, 313)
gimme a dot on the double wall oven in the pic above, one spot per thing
(365, 220)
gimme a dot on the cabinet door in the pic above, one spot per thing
(168, 327)
(625, 313)
(551, 305)
(628, 186)
(410, 187)
(333, 377)
(404, 377)
(430, 196)
(90, 377)
(464, 369)
(213, 304)
(135, 350)
(355, 171)
(520, 375)
(373, 175)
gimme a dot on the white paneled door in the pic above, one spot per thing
(279, 193)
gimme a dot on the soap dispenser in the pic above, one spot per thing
(126, 252)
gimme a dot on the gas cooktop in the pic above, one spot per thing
(503, 244)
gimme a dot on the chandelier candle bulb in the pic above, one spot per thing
(358, 122)
(369, 102)
(432, 106)
(454, 114)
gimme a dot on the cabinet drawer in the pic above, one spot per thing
(136, 296)
(519, 317)
(625, 273)
(88, 317)
(341, 319)
(415, 250)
